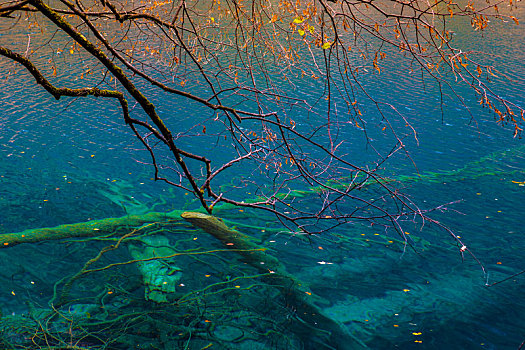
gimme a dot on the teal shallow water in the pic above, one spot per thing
(66, 163)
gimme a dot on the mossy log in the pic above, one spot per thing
(485, 166)
(312, 322)
(85, 229)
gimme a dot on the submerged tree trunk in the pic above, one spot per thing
(309, 320)
(85, 229)
(312, 322)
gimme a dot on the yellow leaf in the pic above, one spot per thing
(274, 18)
(311, 29)
(514, 19)
(300, 31)
(479, 71)
(326, 45)
(298, 20)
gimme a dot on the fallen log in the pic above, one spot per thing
(84, 229)
(313, 324)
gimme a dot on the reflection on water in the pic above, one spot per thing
(74, 161)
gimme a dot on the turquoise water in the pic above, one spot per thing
(74, 161)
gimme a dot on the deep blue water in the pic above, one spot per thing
(75, 160)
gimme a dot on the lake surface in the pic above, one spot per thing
(74, 161)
